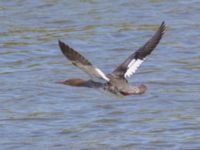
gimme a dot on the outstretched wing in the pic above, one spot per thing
(81, 62)
(130, 65)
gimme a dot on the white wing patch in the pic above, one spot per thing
(102, 74)
(95, 73)
(132, 67)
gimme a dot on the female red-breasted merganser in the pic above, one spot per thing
(116, 81)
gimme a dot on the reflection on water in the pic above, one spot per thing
(37, 113)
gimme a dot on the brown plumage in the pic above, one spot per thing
(116, 81)
(74, 82)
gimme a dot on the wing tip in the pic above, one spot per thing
(163, 27)
(60, 42)
(63, 46)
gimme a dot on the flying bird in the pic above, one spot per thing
(115, 82)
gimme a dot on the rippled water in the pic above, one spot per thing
(37, 113)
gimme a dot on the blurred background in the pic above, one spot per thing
(37, 113)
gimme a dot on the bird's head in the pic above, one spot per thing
(73, 82)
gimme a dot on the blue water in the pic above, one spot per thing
(37, 113)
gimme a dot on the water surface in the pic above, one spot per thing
(37, 113)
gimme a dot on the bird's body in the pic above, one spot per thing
(115, 82)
